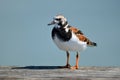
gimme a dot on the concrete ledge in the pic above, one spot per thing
(58, 73)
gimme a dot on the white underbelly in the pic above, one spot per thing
(72, 45)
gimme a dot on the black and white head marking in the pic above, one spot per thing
(59, 21)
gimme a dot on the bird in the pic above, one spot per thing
(69, 38)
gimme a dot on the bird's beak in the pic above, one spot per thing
(53, 22)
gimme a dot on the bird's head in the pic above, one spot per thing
(59, 20)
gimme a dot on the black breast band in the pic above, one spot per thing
(61, 34)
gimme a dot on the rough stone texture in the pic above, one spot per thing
(57, 73)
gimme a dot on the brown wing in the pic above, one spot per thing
(81, 36)
(76, 31)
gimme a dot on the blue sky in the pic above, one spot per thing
(25, 38)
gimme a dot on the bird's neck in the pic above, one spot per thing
(60, 25)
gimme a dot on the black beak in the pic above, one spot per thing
(51, 23)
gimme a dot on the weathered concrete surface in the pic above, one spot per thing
(56, 73)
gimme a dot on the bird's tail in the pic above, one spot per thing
(92, 44)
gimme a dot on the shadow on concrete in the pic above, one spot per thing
(39, 67)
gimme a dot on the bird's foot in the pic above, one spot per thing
(74, 67)
(66, 66)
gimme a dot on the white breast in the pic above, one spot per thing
(74, 44)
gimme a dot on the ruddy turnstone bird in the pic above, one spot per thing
(69, 38)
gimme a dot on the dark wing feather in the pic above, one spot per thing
(81, 36)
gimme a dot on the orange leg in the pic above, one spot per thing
(68, 59)
(67, 63)
(77, 62)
